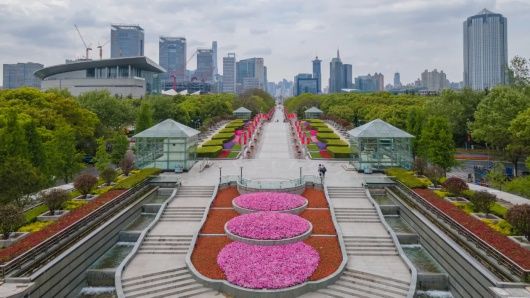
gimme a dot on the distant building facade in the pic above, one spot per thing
(205, 67)
(172, 57)
(434, 80)
(485, 50)
(317, 73)
(229, 73)
(305, 83)
(251, 73)
(214, 58)
(397, 80)
(126, 41)
(335, 74)
(21, 74)
(370, 83)
(347, 82)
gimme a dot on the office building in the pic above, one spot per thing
(204, 72)
(317, 73)
(370, 83)
(397, 80)
(126, 41)
(252, 69)
(229, 73)
(379, 81)
(21, 74)
(305, 83)
(172, 57)
(347, 76)
(214, 57)
(125, 77)
(335, 74)
(434, 80)
(485, 50)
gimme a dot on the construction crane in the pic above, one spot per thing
(87, 49)
(100, 47)
(191, 57)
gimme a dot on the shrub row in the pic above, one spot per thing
(324, 129)
(209, 151)
(407, 178)
(336, 143)
(327, 136)
(227, 130)
(136, 179)
(339, 152)
(216, 142)
(223, 136)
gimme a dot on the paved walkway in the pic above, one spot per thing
(275, 141)
(505, 196)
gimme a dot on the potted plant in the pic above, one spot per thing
(84, 183)
(519, 217)
(482, 202)
(55, 200)
(11, 218)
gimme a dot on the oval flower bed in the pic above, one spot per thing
(269, 201)
(268, 226)
(267, 267)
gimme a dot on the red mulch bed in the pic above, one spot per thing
(502, 243)
(330, 255)
(223, 154)
(315, 198)
(325, 154)
(321, 220)
(73, 216)
(216, 220)
(204, 256)
(225, 196)
(472, 157)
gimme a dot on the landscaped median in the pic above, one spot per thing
(225, 143)
(321, 141)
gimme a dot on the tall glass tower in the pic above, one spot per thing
(126, 41)
(336, 74)
(172, 57)
(317, 73)
(485, 50)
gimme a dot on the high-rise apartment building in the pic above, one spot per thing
(21, 74)
(204, 72)
(172, 57)
(335, 74)
(397, 80)
(485, 50)
(229, 73)
(380, 81)
(126, 41)
(214, 57)
(372, 83)
(434, 80)
(317, 73)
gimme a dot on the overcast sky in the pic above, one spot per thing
(386, 36)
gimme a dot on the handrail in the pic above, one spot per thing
(286, 184)
(502, 259)
(47, 249)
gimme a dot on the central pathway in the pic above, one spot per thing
(275, 141)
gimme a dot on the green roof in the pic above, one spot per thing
(378, 129)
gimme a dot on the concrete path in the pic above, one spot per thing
(275, 141)
(508, 197)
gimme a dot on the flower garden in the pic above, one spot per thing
(276, 266)
(320, 140)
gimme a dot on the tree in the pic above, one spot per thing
(483, 201)
(455, 185)
(55, 199)
(120, 145)
(144, 118)
(84, 183)
(519, 217)
(420, 165)
(434, 173)
(13, 136)
(519, 73)
(436, 143)
(496, 177)
(18, 179)
(113, 113)
(108, 175)
(127, 163)
(66, 159)
(102, 156)
(11, 219)
(415, 121)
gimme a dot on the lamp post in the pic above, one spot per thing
(220, 174)
(241, 175)
(300, 175)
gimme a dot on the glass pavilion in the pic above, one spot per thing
(313, 113)
(377, 145)
(168, 145)
(242, 113)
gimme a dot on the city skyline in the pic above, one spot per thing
(288, 39)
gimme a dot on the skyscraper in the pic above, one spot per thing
(204, 72)
(252, 69)
(172, 57)
(335, 74)
(380, 81)
(485, 50)
(126, 41)
(214, 57)
(305, 83)
(317, 73)
(369, 82)
(347, 76)
(21, 74)
(434, 80)
(397, 80)
(229, 73)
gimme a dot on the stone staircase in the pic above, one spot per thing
(166, 244)
(353, 283)
(335, 192)
(171, 283)
(178, 214)
(370, 246)
(187, 191)
(356, 215)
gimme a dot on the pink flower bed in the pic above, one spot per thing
(269, 201)
(268, 225)
(267, 267)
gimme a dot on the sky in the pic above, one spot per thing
(385, 36)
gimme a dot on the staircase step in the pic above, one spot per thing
(168, 275)
(181, 269)
(184, 292)
(157, 282)
(153, 291)
(379, 278)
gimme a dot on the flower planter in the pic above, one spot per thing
(252, 241)
(486, 217)
(13, 238)
(457, 200)
(46, 216)
(521, 240)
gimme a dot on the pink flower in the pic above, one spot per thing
(267, 267)
(268, 225)
(269, 201)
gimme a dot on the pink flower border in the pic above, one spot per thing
(268, 225)
(269, 201)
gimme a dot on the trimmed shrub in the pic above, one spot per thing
(108, 175)
(339, 152)
(223, 136)
(233, 154)
(483, 201)
(217, 142)
(327, 136)
(324, 129)
(313, 120)
(10, 219)
(455, 185)
(210, 151)
(127, 163)
(434, 173)
(236, 147)
(74, 204)
(318, 125)
(35, 227)
(85, 183)
(420, 165)
(55, 199)
(337, 143)
(315, 154)
(235, 124)
(227, 130)
(312, 147)
(407, 178)
(519, 217)
(136, 179)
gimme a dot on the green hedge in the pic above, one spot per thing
(31, 214)
(313, 120)
(223, 136)
(210, 151)
(324, 129)
(312, 147)
(227, 130)
(336, 143)
(327, 136)
(318, 125)
(407, 177)
(339, 152)
(237, 147)
(233, 154)
(137, 178)
(315, 154)
(217, 142)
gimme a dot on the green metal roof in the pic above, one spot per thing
(168, 128)
(378, 129)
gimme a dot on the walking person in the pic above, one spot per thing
(320, 173)
(324, 170)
